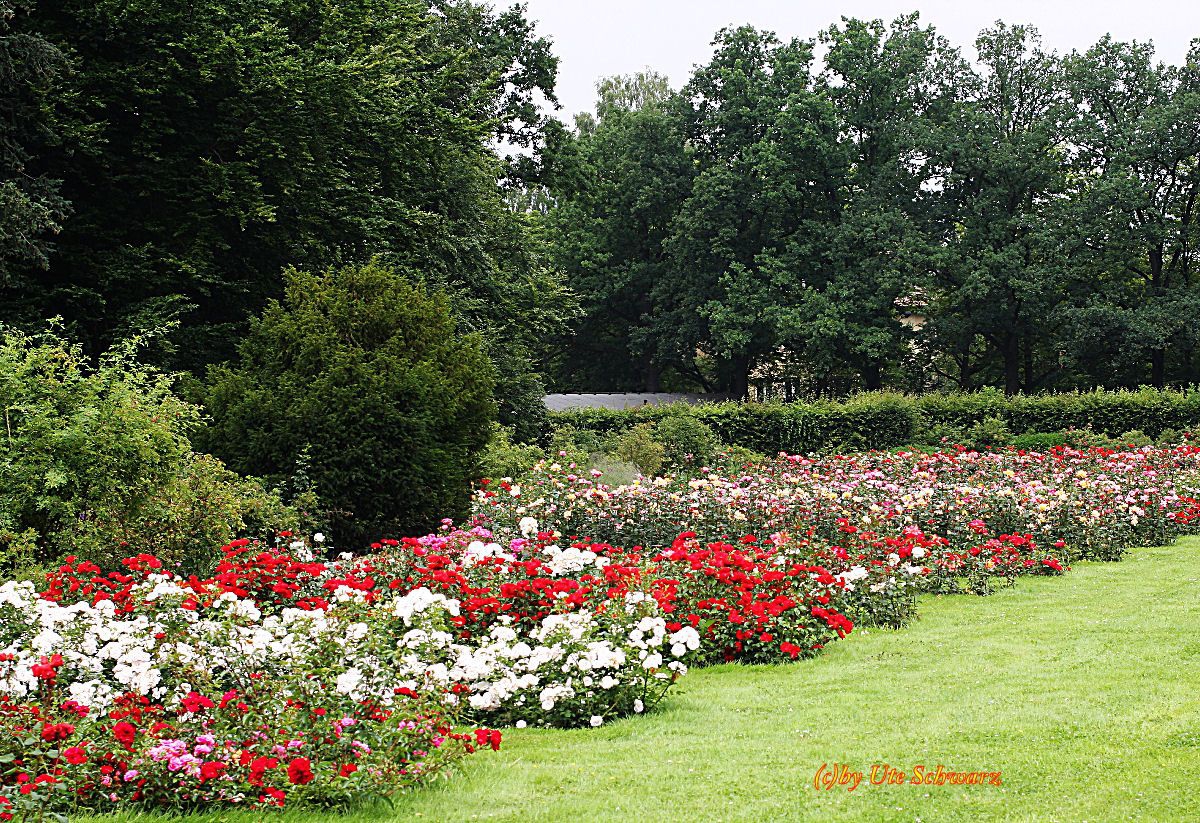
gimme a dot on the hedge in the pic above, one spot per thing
(886, 420)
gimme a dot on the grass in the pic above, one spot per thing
(1081, 690)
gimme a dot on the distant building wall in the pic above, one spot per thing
(624, 400)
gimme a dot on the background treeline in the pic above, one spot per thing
(892, 215)
(313, 263)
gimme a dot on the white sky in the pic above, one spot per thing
(598, 38)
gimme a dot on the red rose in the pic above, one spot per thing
(53, 732)
(196, 702)
(488, 737)
(47, 668)
(258, 767)
(347, 770)
(300, 771)
(125, 734)
(75, 756)
(211, 770)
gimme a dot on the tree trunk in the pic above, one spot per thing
(651, 374)
(872, 377)
(739, 378)
(1029, 381)
(1158, 368)
(1012, 364)
(964, 372)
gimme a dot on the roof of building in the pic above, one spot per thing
(624, 400)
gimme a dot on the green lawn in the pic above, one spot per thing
(1081, 690)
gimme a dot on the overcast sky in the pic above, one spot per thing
(598, 38)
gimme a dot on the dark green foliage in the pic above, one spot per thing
(883, 420)
(31, 207)
(220, 142)
(365, 374)
(686, 441)
(95, 461)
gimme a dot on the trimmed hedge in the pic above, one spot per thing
(887, 420)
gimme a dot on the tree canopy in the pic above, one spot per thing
(893, 215)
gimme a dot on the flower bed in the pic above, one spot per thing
(1095, 503)
(284, 679)
(140, 688)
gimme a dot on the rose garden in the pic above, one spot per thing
(390, 431)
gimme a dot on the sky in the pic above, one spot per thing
(599, 38)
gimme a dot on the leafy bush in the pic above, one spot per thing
(943, 434)
(573, 445)
(735, 458)
(882, 420)
(365, 371)
(686, 441)
(1039, 441)
(1171, 437)
(638, 446)
(989, 433)
(1136, 437)
(504, 458)
(1085, 439)
(96, 462)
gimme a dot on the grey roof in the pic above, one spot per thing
(624, 400)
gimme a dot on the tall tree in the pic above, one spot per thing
(743, 243)
(998, 159)
(886, 84)
(618, 183)
(1132, 219)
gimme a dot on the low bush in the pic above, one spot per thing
(639, 447)
(1039, 441)
(887, 420)
(1170, 437)
(988, 433)
(1134, 439)
(367, 373)
(504, 458)
(95, 461)
(686, 441)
